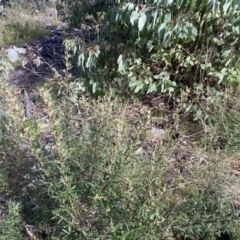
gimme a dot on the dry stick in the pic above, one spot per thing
(27, 104)
(29, 232)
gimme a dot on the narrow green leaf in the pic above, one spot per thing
(192, 4)
(226, 7)
(177, 3)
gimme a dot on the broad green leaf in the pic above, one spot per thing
(188, 108)
(167, 17)
(141, 22)
(221, 75)
(171, 89)
(226, 6)
(134, 16)
(226, 53)
(236, 20)
(152, 88)
(156, 76)
(133, 81)
(194, 31)
(155, 17)
(139, 88)
(119, 59)
(130, 74)
(169, 2)
(81, 59)
(121, 64)
(89, 61)
(94, 87)
(165, 74)
(214, 5)
(150, 45)
(161, 29)
(167, 37)
(130, 6)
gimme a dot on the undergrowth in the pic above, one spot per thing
(103, 168)
(77, 172)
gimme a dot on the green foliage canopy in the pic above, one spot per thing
(156, 45)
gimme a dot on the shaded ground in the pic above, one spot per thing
(43, 55)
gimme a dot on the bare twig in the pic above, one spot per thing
(29, 232)
(27, 104)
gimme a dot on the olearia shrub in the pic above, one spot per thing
(95, 184)
(77, 172)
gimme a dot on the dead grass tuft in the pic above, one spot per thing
(19, 25)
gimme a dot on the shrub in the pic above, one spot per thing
(11, 225)
(77, 174)
(156, 46)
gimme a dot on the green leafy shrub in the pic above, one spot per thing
(157, 46)
(99, 186)
(77, 173)
(10, 227)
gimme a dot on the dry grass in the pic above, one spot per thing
(19, 25)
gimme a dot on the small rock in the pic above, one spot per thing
(158, 132)
(140, 151)
(20, 50)
(24, 190)
(47, 147)
(12, 55)
(30, 185)
(26, 176)
(44, 127)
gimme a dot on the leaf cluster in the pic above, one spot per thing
(156, 46)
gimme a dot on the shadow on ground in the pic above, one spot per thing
(48, 52)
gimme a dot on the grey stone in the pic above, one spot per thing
(158, 132)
